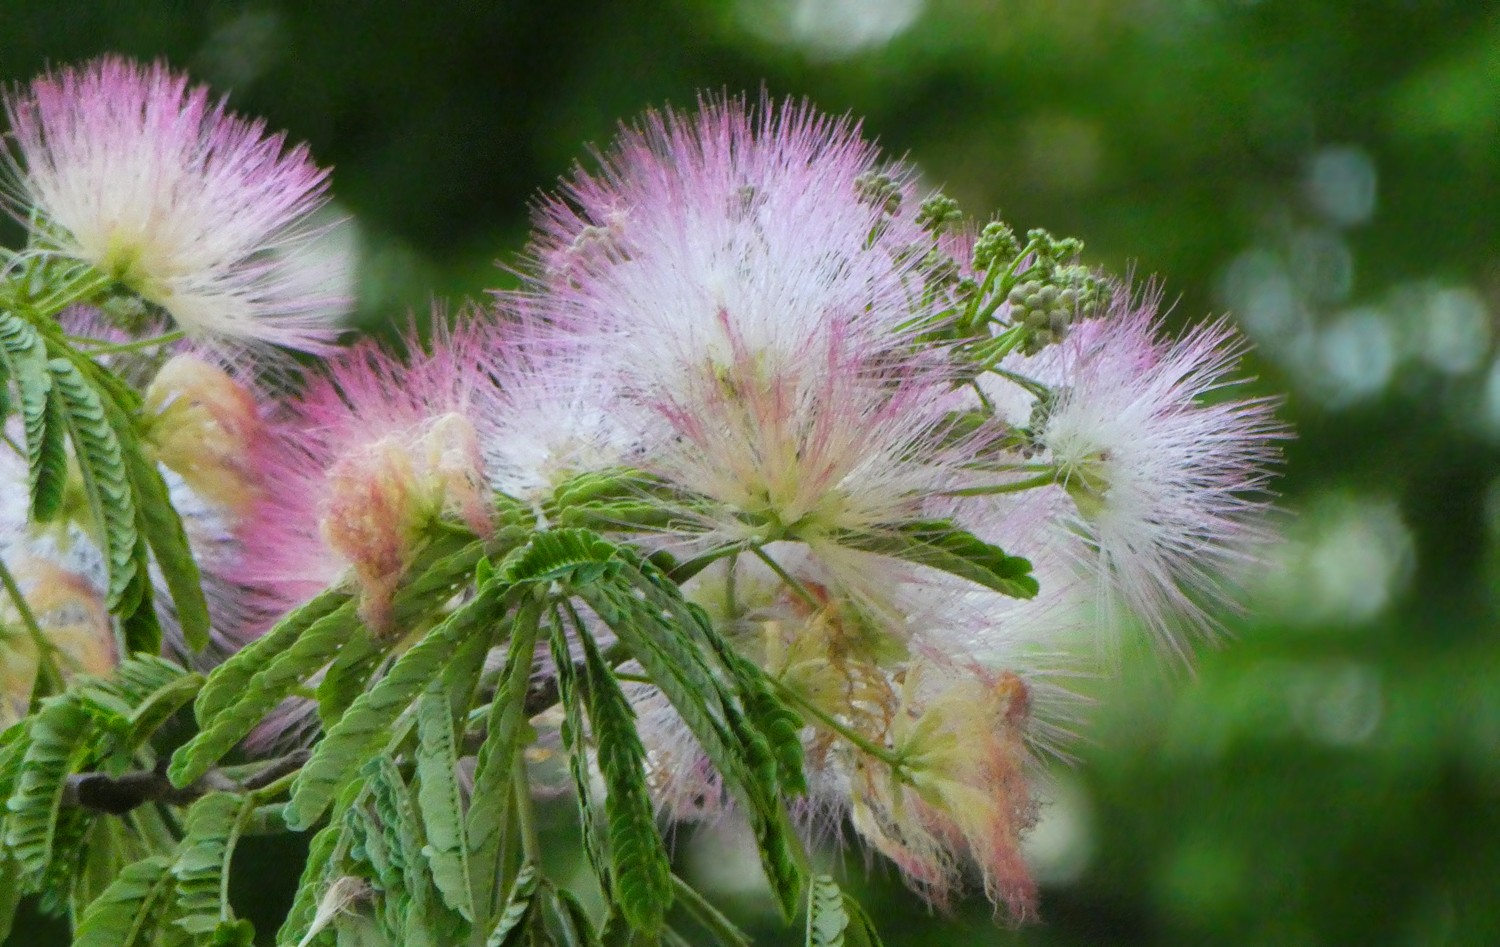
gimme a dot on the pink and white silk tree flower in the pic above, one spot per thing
(205, 423)
(750, 271)
(965, 735)
(200, 212)
(557, 411)
(375, 450)
(1165, 470)
(765, 229)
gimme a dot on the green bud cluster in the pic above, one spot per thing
(938, 213)
(879, 191)
(997, 245)
(1049, 305)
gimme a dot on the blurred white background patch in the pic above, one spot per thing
(829, 29)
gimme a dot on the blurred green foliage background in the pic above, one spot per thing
(1327, 170)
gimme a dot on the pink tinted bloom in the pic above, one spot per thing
(728, 229)
(751, 274)
(968, 731)
(811, 444)
(197, 210)
(376, 448)
(1166, 475)
(558, 411)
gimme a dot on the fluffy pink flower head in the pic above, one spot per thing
(967, 732)
(764, 229)
(1166, 476)
(197, 210)
(751, 273)
(373, 452)
(558, 411)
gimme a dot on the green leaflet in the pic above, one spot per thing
(109, 845)
(578, 930)
(161, 527)
(347, 675)
(632, 514)
(461, 676)
(438, 800)
(10, 894)
(320, 861)
(365, 726)
(940, 545)
(779, 724)
(139, 678)
(415, 906)
(678, 666)
(861, 930)
(43, 415)
(506, 730)
(226, 684)
(516, 917)
(572, 733)
(138, 697)
(161, 704)
(575, 556)
(202, 865)
(140, 625)
(596, 485)
(59, 741)
(826, 918)
(265, 689)
(130, 911)
(13, 745)
(640, 869)
(106, 482)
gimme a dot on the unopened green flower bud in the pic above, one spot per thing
(879, 191)
(938, 213)
(997, 243)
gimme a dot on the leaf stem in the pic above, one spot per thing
(1031, 483)
(531, 846)
(797, 587)
(81, 287)
(859, 740)
(1030, 384)
(721, 927)
(46, 650)
(95, 347)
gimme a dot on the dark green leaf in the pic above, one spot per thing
(58, 743)
(506, 730)
(43, 413)
(346, 677)
(265, 689)
(438, 800)
(227, 683)
(940, 545)
(640, 869)
(861, 931)
(578, 929)
(202, 864)
(10, 894)
(575, 556)
(101, 465)
(162, 528)
(518, 912)
(723, 929)
(130, 912)
(365, 727)
(569, 692)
